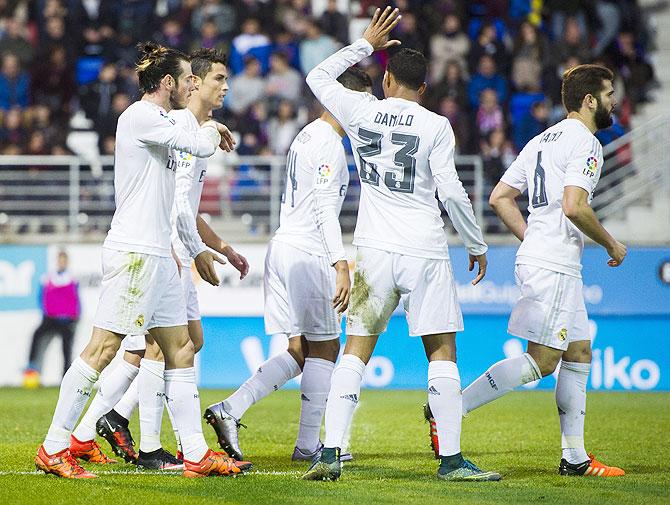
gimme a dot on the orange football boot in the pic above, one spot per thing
(590, 468)
(211, 464)
(88, 451)
(62, 464)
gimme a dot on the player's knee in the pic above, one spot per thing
(197, 345)
(108, 350)
(183, 355)
(327, 349)
(547, 364)
(296, 351)
(579, 354)
(134, 357)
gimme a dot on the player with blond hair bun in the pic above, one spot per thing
(141, 289)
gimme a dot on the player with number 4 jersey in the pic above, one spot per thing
(306, 283)
(404, 153)
(560, 169)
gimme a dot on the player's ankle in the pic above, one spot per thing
(452, 462)
(330, 454)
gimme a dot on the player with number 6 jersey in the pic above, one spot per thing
(560, 169)
(404, 153)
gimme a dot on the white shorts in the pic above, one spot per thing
(299, 288)
(551, 309)
(134, 343)
(190, 295)
(139, 292)
(425, 286)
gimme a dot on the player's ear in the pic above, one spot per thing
(422, 89)
(168, 81)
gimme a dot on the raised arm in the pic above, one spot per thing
(322, 80)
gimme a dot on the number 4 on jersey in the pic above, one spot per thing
(403, 159)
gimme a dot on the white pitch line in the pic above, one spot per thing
(169, 474)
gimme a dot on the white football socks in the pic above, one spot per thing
(129, 401)
(499, 380)
(112, 388)
(345, 390)
(75, 391)
(151, 389)
(174, 427)
(269, 377)
(444, 399)
(314, 389)
(184, 401)
(571, 403)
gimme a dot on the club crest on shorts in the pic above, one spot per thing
(563, 334)
(139, 322)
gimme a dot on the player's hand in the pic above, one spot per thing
(227, 140)
(377, 32)
(236, 260)
(617, 252)
(342, 286)
(204, 263)
(481, 260)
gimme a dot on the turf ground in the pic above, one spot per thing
(517, 436)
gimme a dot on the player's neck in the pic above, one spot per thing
(158, 98)
(405, 93)
(331, 121)
(590, 123)
(200, 110)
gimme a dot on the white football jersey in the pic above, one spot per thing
(144, 181)
(316, 184)
(190, 179)
(567, 154)
(403, 152)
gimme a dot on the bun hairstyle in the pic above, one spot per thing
(155, 62)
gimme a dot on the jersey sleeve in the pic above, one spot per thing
(329, 164)
(185, 220)
(583, 165)
(156, 127)
(322, 80)
(451, 192)
(515, 175)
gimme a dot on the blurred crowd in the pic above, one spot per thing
(495, 65)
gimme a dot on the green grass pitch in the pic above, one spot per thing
(517, 436)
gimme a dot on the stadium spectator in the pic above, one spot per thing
(245, 88)
(209, 37)
(572, 43)
(452, 85)
(533, 123)
(636, 71)
(223, 14)
(487, 43)
(250, 38)
(335, 23)
(14, 40)
(487, 76)
(530, 50)
(316, 47)
(283, 128)
(59, 300)
(172, 34)
(53, 83)
(497, 154)
(460, 123)
(451, 44)
(489, 114)
(14, 83)
(283, 81)
(96, 98)
(408, 34)
(13, 131)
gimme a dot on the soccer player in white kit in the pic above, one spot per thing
(148, 389)
(306, 284)
(405, 153)
(141, 287)
(560, 169)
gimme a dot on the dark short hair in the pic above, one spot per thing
(203, 59)
(583, 80)
(355, 79)
(409, 68)
(156, 62)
